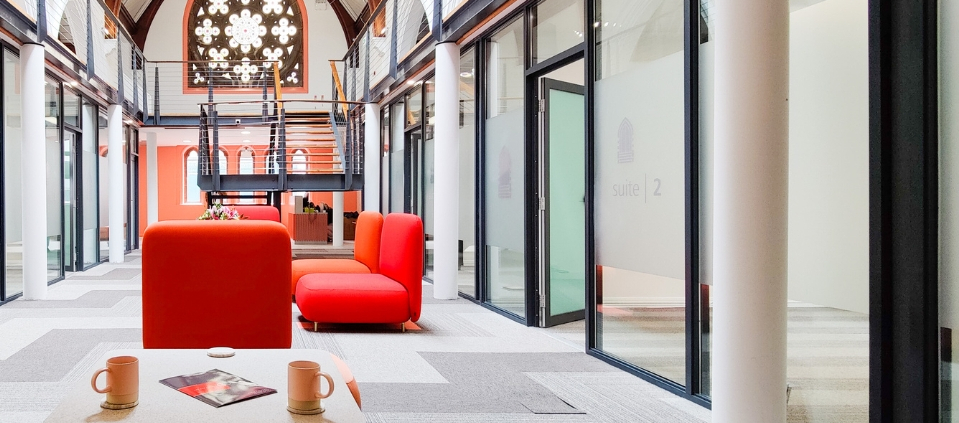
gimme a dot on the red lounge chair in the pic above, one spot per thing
(394, 295)
(216, 283)
(366, 252)
(259, 212)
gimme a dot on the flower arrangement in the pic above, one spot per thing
(220, 212)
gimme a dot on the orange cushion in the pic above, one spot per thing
(307, 266)
(352, 298)
(366, 250)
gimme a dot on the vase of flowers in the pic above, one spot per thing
(220, 212)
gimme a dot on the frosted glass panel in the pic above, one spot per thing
(505, 170)
(640, 184)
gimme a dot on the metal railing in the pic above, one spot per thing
(289, 137)
(88, 35)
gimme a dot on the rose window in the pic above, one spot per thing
(231, 42)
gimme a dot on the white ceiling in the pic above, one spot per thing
(167, 137)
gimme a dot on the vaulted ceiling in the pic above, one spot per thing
(137, 15)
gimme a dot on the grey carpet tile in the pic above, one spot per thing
(831, 414)
(481, 383)
(447, 324)
(464, 417)
(307, 339)
(118, 274)
(92, 299)
(51, 357)
(608, 401)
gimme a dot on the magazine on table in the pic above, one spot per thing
(217, 388)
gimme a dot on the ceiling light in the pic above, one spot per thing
(411, 82)
(245, 132)
(187, 141)
(466, 74)
(246, 140)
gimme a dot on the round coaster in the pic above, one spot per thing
(305, 412)
(220, 352)
(110, 406)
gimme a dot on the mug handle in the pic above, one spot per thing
(328, 379)
(93, 382)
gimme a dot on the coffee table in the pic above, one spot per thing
(162, 404)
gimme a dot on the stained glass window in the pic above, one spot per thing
(235, 37)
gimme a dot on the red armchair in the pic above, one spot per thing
(216, 283)
(366, 252)
(253, 212)
(394, 295)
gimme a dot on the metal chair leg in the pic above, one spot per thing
(315, 327)
(403, 327)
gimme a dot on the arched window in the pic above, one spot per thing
(299, 161)
(224, 170)
(246, 168)
(192, 190)
(299, 166)
(234, 35)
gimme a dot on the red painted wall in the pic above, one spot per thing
(171, 174)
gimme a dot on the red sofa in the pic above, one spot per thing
(216, 283)
(366, 252)
(394, 295)
(259, 212)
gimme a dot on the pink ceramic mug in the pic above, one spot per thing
(304, 387)
(123, 380)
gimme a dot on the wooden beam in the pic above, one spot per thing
(346, 21)
(145, 22)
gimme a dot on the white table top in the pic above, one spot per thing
(162, 404)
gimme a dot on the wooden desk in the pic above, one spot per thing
(162, 404)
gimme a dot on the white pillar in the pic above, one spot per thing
(115, 167)
(371, 161)
(33, 181)
(447, 173)
(750, 226)
(153, 194)
(338, 218)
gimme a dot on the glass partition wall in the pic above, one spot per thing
(466, 276)
(54, 152)
(12, 282)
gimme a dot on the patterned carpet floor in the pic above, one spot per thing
(462, 363)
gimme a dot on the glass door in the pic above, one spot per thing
(562, 216)
(70, 254)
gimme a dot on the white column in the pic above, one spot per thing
(153, 193)
(447, 173)
(115, 167)
(371, 162)
(338, 218)
(33, 182)
(750, 226)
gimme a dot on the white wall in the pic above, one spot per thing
(325, 42)
(829, 155)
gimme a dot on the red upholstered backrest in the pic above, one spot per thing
(216, 283)
(401, 256)
(366, 249)
(259, 212)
